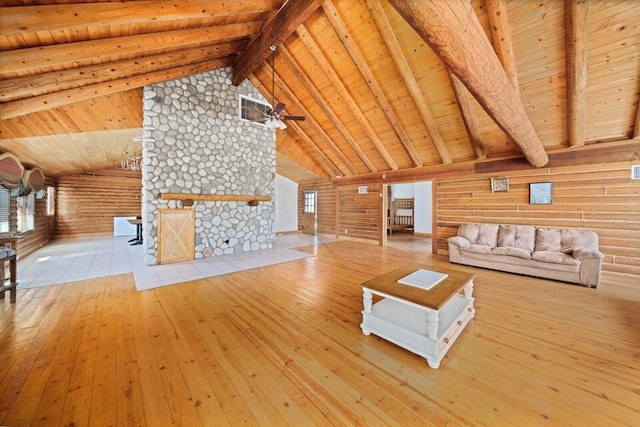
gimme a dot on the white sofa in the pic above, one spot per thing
(569, 255)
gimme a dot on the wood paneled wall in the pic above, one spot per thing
(598, 197)
(326, 205)
(86, 204)
(359, 215)
(342, 211)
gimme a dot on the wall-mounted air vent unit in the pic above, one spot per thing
(635, 172)
(253, 110)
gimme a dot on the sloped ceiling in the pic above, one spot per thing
(376, 96)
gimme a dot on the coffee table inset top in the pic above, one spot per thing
(433, 298)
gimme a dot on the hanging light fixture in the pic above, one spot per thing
(133, 163)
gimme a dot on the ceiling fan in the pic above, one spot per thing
(272, 117)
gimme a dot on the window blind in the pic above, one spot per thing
(4, 210)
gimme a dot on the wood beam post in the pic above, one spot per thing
(453, 31)
(356, 56)
(469, 118)
(384, 28)
(576, 12)
(289, 17)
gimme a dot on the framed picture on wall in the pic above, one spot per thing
(541, 193)
(499, 184)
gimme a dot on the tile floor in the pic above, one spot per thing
(70, 260)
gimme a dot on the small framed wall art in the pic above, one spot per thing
(499, 184)
(541, 193)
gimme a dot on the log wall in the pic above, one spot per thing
(342, 211)
(325, 203)
(598, 197)
(86, 204)
(359, 215)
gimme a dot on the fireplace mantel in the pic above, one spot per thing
(252, 199)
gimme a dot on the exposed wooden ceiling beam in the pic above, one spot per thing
(610, 152)
(337, 84)
(354, 52)
(384, 28)
(325, 162)
(68, 55)
(501, 37)
(70, 96)
(423, 173)
(27, 86)
(636, 124)
(464, 102)
(453, 31)
(325, 105)
(289, 17)
(299, 108)
(621, 151)
(70, 17)
(576, 12)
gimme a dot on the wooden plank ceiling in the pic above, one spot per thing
(379, 94)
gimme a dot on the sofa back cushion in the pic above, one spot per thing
(572, 240)
(548, 239)
(569, 240)
(517, 236)
(480, 234)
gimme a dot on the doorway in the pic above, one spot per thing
(408, 216)
(309, 212)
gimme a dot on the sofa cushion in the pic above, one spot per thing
(481, 234)
(588, 241)
(517, 236)
(554, 257)
(511, 251)
(525, 237)
(548, 240)
(469, 231)
(507, 235)
(569, 240)
(488, 235)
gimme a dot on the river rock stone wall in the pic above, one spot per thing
(194, 142)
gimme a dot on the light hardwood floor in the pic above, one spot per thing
(281, 345)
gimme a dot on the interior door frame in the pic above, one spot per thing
(315, 211)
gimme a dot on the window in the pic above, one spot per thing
(4, 210)
(253, 110)
(26, 212)
(309, 202)
(51, 201)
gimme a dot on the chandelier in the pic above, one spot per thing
(133, 163)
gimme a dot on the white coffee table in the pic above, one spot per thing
(425, 322)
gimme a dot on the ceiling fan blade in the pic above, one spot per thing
(278, 108)
(299, 118)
